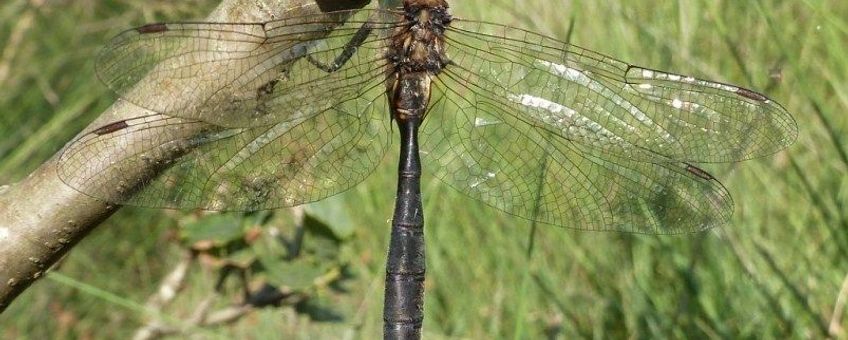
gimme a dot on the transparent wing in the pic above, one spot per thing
(250, 116)
(246, 75)
(611, 106)
(479, 148)
(170, 162)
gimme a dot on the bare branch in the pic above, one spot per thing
(41, 218)
(172, 284)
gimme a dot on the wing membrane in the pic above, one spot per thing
(286, 112)
(476, 147)
(244, 75)
(249, 117)
(597, 101)
(173, 163)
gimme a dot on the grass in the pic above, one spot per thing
(774, 272)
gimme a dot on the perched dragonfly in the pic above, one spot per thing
(250, 116)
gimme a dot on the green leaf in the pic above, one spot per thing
(218, 228)
(297, 275)
(333, 217)
(243, 257)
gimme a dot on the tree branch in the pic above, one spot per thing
(41, 218)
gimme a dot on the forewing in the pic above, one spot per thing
(246, 75)
(161, 161)
(472, 143)
(611, 106)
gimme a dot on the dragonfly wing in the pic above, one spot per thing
(597, 101)
(245, 75)
(175, 163)
(250, 116)
(472, 144)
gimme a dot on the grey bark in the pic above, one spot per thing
(41, 218)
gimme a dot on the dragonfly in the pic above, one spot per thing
(253, 116)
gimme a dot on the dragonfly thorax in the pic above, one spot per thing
(416, 54)
(418, 44)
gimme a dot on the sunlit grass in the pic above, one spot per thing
(774, 271)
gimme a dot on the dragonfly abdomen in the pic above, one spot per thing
(409, 95)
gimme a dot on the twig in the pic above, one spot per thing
(201, 313)
(172, 284)
(203, 317)
(155, 331)
(228, 315)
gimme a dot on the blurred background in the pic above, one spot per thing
(778, 270)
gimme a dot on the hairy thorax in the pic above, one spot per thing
(416, 54)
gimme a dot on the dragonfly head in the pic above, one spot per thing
(418, 4)
(340, 5)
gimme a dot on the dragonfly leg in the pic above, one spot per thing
(267, 89)
(349, 50)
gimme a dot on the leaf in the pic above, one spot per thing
(297, 275)
(332, 216)
(219, 229)
(242, 258)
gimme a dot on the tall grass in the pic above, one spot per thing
(775, 271)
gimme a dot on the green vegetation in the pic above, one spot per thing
(774, 272)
